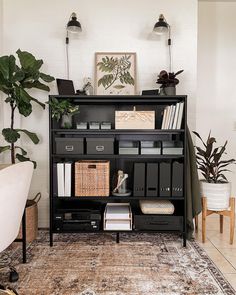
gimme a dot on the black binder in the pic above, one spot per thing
(139, 180)
(152, 180)
(165, 180)
(177, 179)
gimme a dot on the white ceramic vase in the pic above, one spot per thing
(217, 195)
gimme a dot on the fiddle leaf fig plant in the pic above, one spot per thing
(210, 162)
(16, 77)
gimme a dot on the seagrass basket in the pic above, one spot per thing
(92, 178)
(31, 211)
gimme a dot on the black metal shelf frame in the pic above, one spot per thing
(119, 101)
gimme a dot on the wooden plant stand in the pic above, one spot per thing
(206, 212)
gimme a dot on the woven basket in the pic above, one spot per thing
(92, 178)
(31, 219)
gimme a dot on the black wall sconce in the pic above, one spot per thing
(162, 27)
(73, 26)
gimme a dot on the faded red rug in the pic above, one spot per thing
(141, 264)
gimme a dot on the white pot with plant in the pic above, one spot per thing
(215, 186)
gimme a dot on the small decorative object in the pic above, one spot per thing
(135, 119)
(63, 110)
(150, 92)
(94, 125)
(88, 88)
(215, 186)
(168, 82)
(121, 185)
(82, 125)
(106, 125)
(115, 73)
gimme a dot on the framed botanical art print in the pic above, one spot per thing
(115, 73)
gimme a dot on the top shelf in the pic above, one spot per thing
(126, 99)
(119, 131)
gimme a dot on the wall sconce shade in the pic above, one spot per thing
(161, 26)
(73, 25)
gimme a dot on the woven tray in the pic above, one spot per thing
(156, 207)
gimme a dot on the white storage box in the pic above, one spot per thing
(118, 216)
(118, 225)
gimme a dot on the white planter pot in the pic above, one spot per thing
(217, 195)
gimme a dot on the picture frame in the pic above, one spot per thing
(115, 73)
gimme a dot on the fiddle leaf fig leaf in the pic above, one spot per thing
(46, 78)
(4, 148)
(38, 102)
(10, 135)
(22, 150)
(27, 60)
(4, 66)
(22, 158)
(31, 135)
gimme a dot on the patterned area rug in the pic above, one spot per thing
(89, 264)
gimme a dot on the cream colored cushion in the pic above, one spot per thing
(156, 207)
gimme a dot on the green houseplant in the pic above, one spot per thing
(168, 82)
(63, 110)
(16, 77)
(215, 186)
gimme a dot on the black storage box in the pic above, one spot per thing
(72, 145)
(158, 223)
(96, 146)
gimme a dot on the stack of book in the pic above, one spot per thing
(172, 116)
(62, 182)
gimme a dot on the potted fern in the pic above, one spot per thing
(215, 186)
(16, 77)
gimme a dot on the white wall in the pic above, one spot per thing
(216, 95)
(39, 27)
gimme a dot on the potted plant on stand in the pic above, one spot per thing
(63, 110)
(215, 186)
(168, 82)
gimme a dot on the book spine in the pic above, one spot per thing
(68, 179)
(60, 180)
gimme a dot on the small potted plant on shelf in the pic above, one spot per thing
(63, 110)
(215, 186)
(168, 82)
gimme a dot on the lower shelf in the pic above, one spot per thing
(115, 231)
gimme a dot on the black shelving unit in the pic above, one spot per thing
(102, 108)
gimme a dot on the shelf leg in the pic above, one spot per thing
(117, 238)
(184, 240)
(51, 238)
(24, 237)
